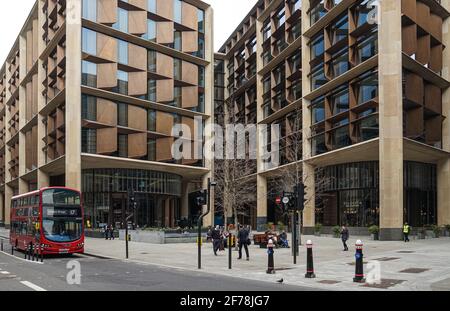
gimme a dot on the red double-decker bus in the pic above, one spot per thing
(51, 218)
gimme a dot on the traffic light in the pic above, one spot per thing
(132, 198)
(300, 190)
(202, 198)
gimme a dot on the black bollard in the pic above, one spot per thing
(309, 261)
(2, 245)
(12, 250)
(270, 264)
(230, 246)
(359, 267)
(33, 251)
(42, 252)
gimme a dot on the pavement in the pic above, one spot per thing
(420, 265)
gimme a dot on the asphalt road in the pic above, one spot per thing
(99, 274)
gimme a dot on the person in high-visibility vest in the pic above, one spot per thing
(406, 231)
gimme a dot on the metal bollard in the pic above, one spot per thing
(42, 252)
(12, 250)
(309, 261)
(33, 251)
(270, 264)
(359, 267)
(2, 245)
(230, 246)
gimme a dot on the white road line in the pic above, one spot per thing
(4, 272)
(33, 286)
(24, 260)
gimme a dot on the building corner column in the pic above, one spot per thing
(391, 120)
(73, 94)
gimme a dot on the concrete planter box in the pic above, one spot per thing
(375, 236)
(159, 237)
(98, 234)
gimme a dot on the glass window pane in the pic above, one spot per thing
(90, 10)
(89, 44)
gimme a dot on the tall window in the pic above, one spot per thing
(89, 107)
(318, 110)
(177, 99)
(122, 82)
(151, 152)
(90, 10)
(151, 30)
(177, 11)
(151, 60)
(89, 140)
(151, 120)
(151, 4)
(151, 96)
(368, 88)
(339, 31)
(89, 44)
(201, 76)
(88, 74)
(122, 114)
(122, 145)
(122, 52)
(201, 20)
(280, 18)
(267, 30)
(340, 101)
(177, 40)
(177, 69)
(122, 20)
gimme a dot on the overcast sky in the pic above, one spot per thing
(228, 15)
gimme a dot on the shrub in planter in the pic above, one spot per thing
(421, 233)
(280, 226)
(270, 226)
(318, 229)
(447, 230)
(337, 231)
(436, 230)
(374, 231)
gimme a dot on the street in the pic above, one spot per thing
(99, 274)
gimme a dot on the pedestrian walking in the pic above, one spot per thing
(406, 232)
(106, 228)
(209, 235)
(243, 241)
(111, 233)
(216, 237)
(344, 237)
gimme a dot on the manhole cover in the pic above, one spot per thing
(329, 282)
(385, 283)
(406, 252)
(387, 258)
(414, 270)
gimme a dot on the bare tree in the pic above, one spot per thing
(235, 192)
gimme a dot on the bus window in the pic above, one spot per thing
(35, 211)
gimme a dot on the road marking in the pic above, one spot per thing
(33, 286)
(4, 272)
(35, 262)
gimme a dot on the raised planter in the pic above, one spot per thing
(160, 237)
(375, 236)
(98, 234)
